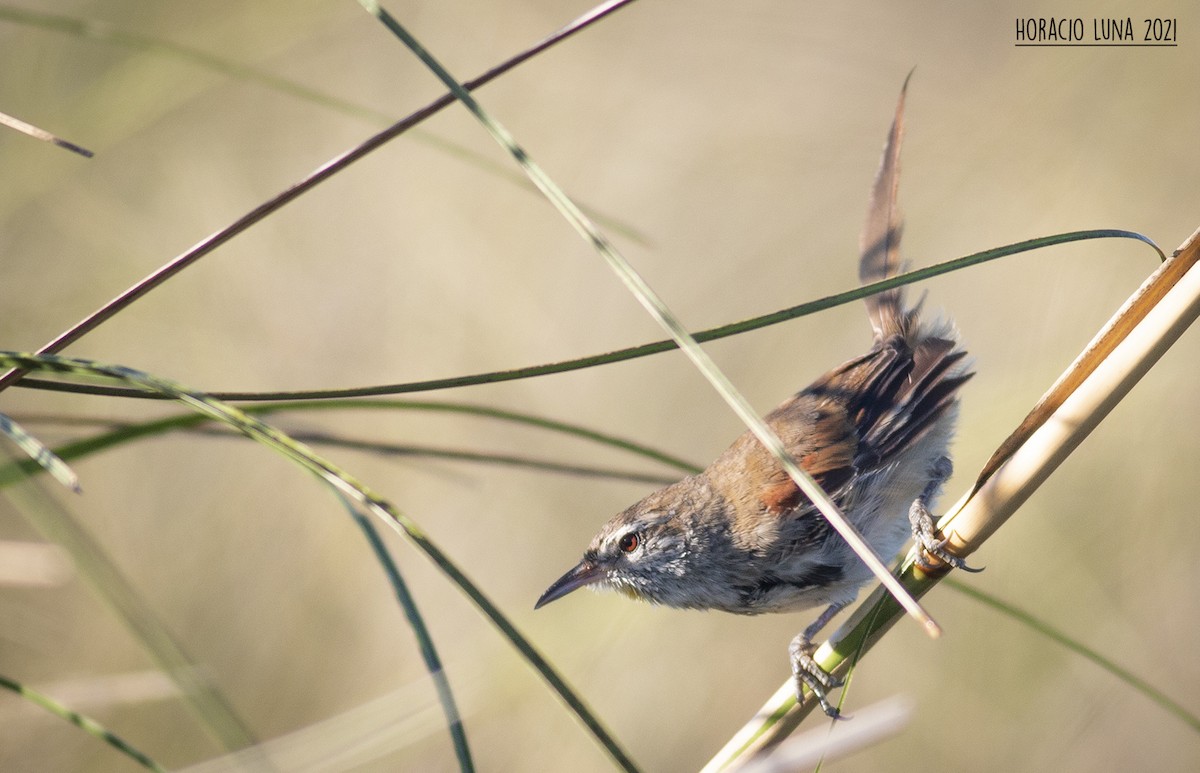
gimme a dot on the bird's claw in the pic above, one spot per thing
(808, 673)
(928, 544)
(923, 530)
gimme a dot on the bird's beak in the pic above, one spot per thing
(585, 573)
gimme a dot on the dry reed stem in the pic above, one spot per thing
(1124, 350)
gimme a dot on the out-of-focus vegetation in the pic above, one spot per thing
(741, 140)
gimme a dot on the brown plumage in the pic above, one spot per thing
(873, 432)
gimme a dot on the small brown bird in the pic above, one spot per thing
(874, 432)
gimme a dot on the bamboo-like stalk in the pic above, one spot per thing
(1123, 351)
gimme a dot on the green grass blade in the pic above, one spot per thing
(479, 457)
(89, 557)
(87, 724)
(347, 485)
(39, 453)
(1147, 690)
(642, 350)
(433, 663)
(127, 433)
(486, 411)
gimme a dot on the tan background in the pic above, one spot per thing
(741, 139)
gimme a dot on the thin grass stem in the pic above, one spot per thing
(633, 352)
(84, 723)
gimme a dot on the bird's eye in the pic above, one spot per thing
(629, 542)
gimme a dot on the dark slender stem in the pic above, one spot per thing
(210, 243)
(43, 135)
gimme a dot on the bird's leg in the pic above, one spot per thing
(806, 671)
(924, 533)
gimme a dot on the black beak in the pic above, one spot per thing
(585, 572)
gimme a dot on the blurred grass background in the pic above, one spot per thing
(741, 140)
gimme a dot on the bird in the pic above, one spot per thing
(874, 432)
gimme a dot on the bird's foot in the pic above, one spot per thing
(924, 531)
(808, 673)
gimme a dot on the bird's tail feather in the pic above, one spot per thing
(880, 240)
